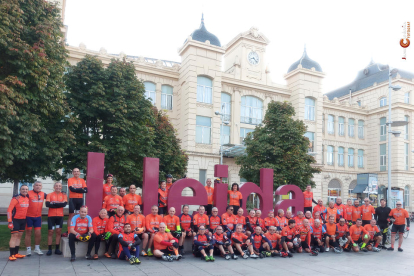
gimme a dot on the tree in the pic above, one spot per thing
(173, 160)
(34, 127)
(279, 144)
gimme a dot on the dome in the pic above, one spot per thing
(306, 62)
(201, 34)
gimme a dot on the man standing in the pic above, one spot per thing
(131, 200)
(356, 211)
(340, 207)
(210, 191)
(348, 208)
(34, 218)
(107, 186)
(319, 208)
(80, 229)
(381, 215)
(399, 216)
(122, 192)
(112, 202)
(169, 181)
(367, 212)
(152, 223)
(56, 201)
(77, 188)
(308, 197)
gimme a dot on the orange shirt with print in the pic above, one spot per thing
(367, 212)
(356, 232)
(308, 196)
(210, 192)
(399, 215)
(372, 230)
(172, 222)
(76, 183)
(17, 208)
(342, 230)
(229, 220)
(112, 202)
(163, 197)
(136, 221)
(56, 198)
(130, 201)
(273, 238)
(158, 238)
(348, 212)
(106, 191)
(356, 213)
(235, 197)
(239, 236)
(152, 221)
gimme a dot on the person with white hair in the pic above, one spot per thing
(400, 217)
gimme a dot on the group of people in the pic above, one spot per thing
(127, 233)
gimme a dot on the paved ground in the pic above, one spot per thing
(367, 264)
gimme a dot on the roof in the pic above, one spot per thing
(372, 73)
(306, 62)
(201, 34)
(359, 189)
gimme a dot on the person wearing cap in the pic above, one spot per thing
(210, 191)
(400, 217)
(107, 186)
(169, 178)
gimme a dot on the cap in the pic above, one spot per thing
(169, 176)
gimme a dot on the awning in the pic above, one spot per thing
(360, 188)
(232, 151)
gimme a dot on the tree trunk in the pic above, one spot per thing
(16, 187)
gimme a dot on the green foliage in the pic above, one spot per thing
(34, 131)
(279, 144)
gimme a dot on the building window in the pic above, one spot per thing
(330, 155)
(407, 97)
(150, 91)
(383, 129)
(351, 127)
(383, 157)
(334, 189)
(203, 130)
(383, 101)
(360, 158)
(166, 97)
(226, 106)
(311, 137)
(361, 129)
(204, 90)
(309, 109)
(331, 127)
(341, 124)
(359, 103)
(350, 157)
(202, 176)
(341, 156)
(243, 133)
(225, 137)
(406, 128)
(251, 110)
(406, 156)
(407, 196)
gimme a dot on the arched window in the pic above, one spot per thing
(150, 91)
(340, 156)
(383, 101)
(334, 189)
(406, 196)
(383, 129)
(251, 110)
(352, 186)
(351, 127)
(351, 157)
(309, 109)
(204, 90)
(166, 97)
(360, 129)
(341, 126)
(330, 155)
(226, 106)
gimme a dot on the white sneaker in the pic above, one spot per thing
(327, 250)
(245, 256)
(29, 252)
(254, 256)
(376, 249)
(38, 251)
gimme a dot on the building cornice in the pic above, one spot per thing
(256, 86)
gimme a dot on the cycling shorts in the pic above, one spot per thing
(35, 222)
(167, 251)
(19, 225)
(365, 222)
(162, 211)
(304, 245)
(54, 223)
(398, 228)
(75, 204)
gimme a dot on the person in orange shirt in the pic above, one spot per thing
(77, 187)
(260, 221)
(112, 202)
(299, 220)
(340, 207)
(374, 236)
(152, 223)
(356, 211)
(214, 221)
(348, 208)
(99, 229)
(186, 222)
(210, 192)
(165, 245)
(169, 179)
(55, 201)
(162, 198)
(317, 236)
(304, 240)
(311, 220)
(274, 239)
(289, 233)
(81, 229)
(228, 220)
(331, 238)
(129, 245)
(398, 215)
(358, 234)
(343, 233)
(34, 218)
(107, 186)
(200, 219)
(137, 222)
(250, 222)
(131, 200)
(281, 220)
(122, 192)
(270, 219)
(222, 243)
(235, 197)
(240, 219)
(367, 211)
(319, 208)
(308, 199)
(173, 223)
(115, 226)
(331, 210)
(241, 242)
(16, 217)
(203, 244)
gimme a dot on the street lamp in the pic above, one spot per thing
(221, 133)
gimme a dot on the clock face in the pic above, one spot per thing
(253, 58)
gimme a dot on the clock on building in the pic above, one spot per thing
(253, 58)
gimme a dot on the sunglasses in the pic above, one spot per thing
(398, 204)
(231, 209)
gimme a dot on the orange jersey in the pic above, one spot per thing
(130, 201)
(128, 238)
(348, 212)
(210, 192)
(136, 221)
(112, 202)
(356, 213)
(235, 197)
(308, 196)
(214, 221)
(304, 233)
(367, 212)
(168, 186)
(274, 239)
(56, 198)
(241, 237)
(399, 215)
(268, 221)
(186, 221)
(371, 230)
(331, 229)
(76, 183)
(318, 208)
(200, 220)
(106, 191)
(289, 233)
(281, 222)
(298, 222)
(35, 203)
(99, 225)
(158, 238)
(311, 222)
(115, 224)
(162, 198)
(17, 208)
(240, 220)
(257, 240)
(260, 222)
(342, 230)
(355, 232)
(172, 222)
(228, 220)
(81, 225)
(341, 209)
(152, 222)
(220, 238)
(331, 211)
(318, 232)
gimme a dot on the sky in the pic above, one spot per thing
(342, 36)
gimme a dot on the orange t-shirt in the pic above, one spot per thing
(330, 229)
(163, 197)
(112, 202)
(56, 198)
(106, 191)
(355, 232)
(214, 221)
(152, 221)
(240, 220)
(136, 221)
(341, 209)
(289, 233)
(348, 212)
(99, 225)
(367, 212)
(35, 203)
(235, 197)
(76, 183)
(158, 238)
(274, 239)
(241, 237)
(172, 222)
(342, 230)
(229, 220)
(210, 192)
(371, 230)
(320, 209)
(298, 222)
(311, 222)
(399, 215)
(305, 233)
(200, 220)
(308, 196)
(356, 213)
(130, 201)
(281, 221)
(17, 208)
(268, 221)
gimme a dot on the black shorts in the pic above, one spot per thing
(19, 225)
(243, 247)
(305, 209)
(304, 245)
(398, 228)
(288, 240)
(167, 251)
(162, 211)
(75, 204)
(365, 222)
(54, 223)
(175, 234)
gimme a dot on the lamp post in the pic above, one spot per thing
(221, 132)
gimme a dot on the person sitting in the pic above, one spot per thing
(375, 237)
(241, 243)
(186, 221)
(99, 228)
(152, 222)
(81, 229)
(274, 239)
(165, 245)
(137, 222)
(358, 234)
(223, 243)
(129, 243)
(261, 245)
(115, 227)
(202, 243)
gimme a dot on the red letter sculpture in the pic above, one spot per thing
(296, 202)
(94, 180)
(220, 189)
(175, 198)
(150, 183)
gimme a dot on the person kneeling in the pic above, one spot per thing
(222, 243)
(165, 245)
(203, 242)
(129, 243)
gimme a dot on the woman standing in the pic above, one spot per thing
(235, 197)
